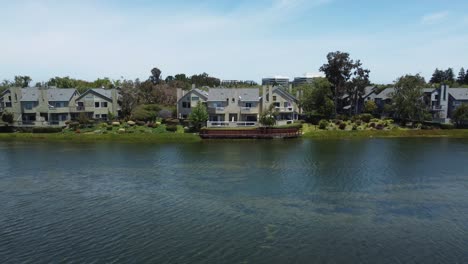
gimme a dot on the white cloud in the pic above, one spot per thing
(434, 18)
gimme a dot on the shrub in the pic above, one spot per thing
(358, 122)
(170, 121)
(372, 125)
(375, 120)
(342, 126)
(337, 122)
(109, 128)
(323, 124)
(171, 128)
(379, 127)
(447, 126)
(366, 117)
(355, 127)
(44, 130)
(7, 117)
(140, 123)
(74, 125)
(165, 114)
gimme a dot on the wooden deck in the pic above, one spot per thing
(259, 133)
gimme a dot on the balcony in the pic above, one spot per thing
(437, 108)
(77, 108)
(285, 109)
(216, 110)
(231, 124)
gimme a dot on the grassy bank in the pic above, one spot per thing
(84, 138)
(312, 132)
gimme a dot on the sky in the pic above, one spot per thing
(231, 40)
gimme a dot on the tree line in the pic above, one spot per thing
(448, 77)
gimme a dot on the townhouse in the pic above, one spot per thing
(50, 106)
(239, 107)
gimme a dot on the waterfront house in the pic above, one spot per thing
(445, 100)
(96, 103)
(187, 100)
(233, 106)
(284, 103)
(50, 106)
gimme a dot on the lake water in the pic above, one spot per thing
(300, 201)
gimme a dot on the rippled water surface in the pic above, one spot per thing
(368, 201)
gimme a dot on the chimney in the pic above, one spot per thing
(179, 93)
(290, 88)
(193, 86)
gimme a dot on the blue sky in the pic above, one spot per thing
(229, 39)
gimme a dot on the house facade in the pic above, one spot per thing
(239, 107)
(49, 106)
(283, 102)
(99, 104)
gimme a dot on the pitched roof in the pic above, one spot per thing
(57, 94)
(459, 93)
(282, 91)
(201, 92)
(245, 94)
(386, 93)
(107, 93)
(53, 94)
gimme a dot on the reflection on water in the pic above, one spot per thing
(386, 201)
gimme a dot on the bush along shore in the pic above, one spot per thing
(365, 126)
(129, 131)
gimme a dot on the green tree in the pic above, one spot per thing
(22, 81)
(461, 76)
(370, 107)
(146, 112)
(356, 88)
(339, 71)
(407, 98)
(449, 76)
(128, 97)
(437, 77)
(460, 115)
(268, 118)
(199, 116)
(317, 98)
(7, 117)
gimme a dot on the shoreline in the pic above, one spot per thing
(193, 138)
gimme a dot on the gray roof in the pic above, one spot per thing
(428, 90)
(53, 94)
(385, 94)
(57, 94)
(245, 94)
(279, 89)
(459, 93)
(105, 92)
(204, 93)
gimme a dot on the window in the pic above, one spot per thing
(233, 100)
(286, 104)
(96, 104)
(97, 116)
(185, 104)
(274, 98)
(103, 104)
(276, 104)
(195, 98)
(28, 105)
(9, 98)
(104, 117)
(249, 105)
(8, 104)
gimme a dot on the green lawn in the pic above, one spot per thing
(310, 131)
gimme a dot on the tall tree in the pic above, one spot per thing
(317, 98)
(466, 77)
(339, 71)
(357, 86)
(408, 98)
(129, 97)
(437, 77)
(22, 81)
(199, 116)
(449, 76)
(155, 77)
(461, 76)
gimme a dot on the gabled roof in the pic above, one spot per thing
(57, 94)
(283, 92)
(199, 92)
(106, 93)
(244, 94)
(459, 93)
(386, 93)
(31, 94)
